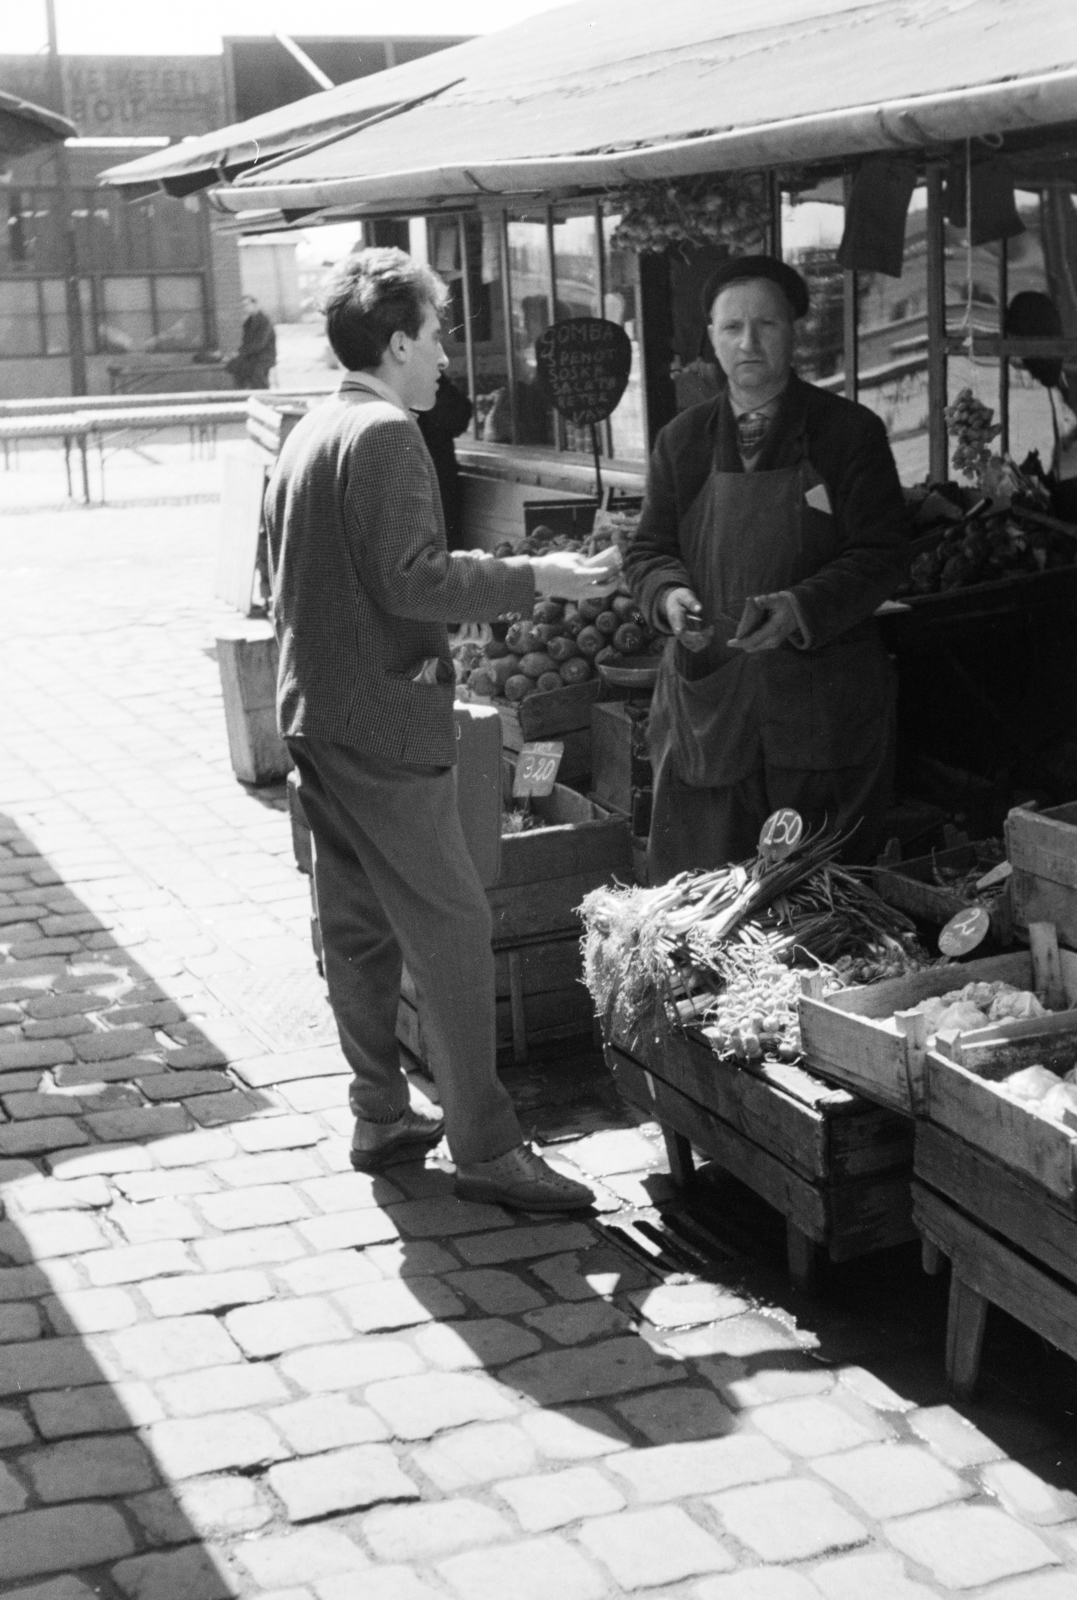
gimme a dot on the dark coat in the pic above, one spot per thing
(446, 419)
(848, 448)
(363, 584)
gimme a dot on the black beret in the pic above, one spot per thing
(742, 268)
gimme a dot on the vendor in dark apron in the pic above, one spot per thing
(772, 528)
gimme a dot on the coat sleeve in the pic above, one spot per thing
(873, 558)
(652, 560)
(397, 542)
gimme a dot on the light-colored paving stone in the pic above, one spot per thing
(341, 1480)
(326, 1422)
(553, 1499)
(661, 1545)
(968, 1545)
(476, 1454)
(438, 1528)
(891, 1480)
(419, 1407)
(788, 1520)
(534, 1569)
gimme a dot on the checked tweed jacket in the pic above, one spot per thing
(363, 584)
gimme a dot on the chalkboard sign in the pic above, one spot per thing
(583, 365)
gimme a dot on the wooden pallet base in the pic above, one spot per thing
(1008, 1245)
(837, 1217)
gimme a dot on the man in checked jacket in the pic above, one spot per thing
(363, 586)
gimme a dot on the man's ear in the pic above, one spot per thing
(398, 345)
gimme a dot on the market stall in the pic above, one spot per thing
(917, 164)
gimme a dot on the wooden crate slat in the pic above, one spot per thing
(980, 1113)
(526, 910)
(795, 1133)
(763, 1172)
(1003, 1201)
(990, 1268)
(859, 1054)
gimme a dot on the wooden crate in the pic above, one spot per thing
(576, 761)
(847, 1037)
(540, 998)
(1042, 847)
(545, 873)
(959, 1099)
(620, 761)
(247, 659)
(1008, 1242)
(837, 1168)
(911, 886)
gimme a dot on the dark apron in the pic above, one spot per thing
(720, 715)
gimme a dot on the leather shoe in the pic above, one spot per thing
(379, 1144)
(521, 1180)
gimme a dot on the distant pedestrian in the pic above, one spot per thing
(257, 353)
(362, 586)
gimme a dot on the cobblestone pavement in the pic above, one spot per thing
(230, 1366)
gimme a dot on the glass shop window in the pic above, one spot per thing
(181, 319)
(892, 347)
(627, 431)
(159, 313)
(812, 226)
(529, 279)
(1040, 279)
(30, 236)
(493, 412)
(575, 266)
(20, 318)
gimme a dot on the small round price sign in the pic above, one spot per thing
(536, 768)
(964, 931)
(781, 833)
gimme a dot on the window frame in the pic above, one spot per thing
(548, 213)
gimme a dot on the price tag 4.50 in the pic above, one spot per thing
(964, 931)
(536, 768)
(780, 835)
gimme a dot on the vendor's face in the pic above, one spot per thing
(424, 362)
(751, 329)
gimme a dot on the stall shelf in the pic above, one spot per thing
(836, 1167)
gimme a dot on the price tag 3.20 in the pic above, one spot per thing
(536, 768)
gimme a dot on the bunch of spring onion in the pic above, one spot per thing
(722, 946)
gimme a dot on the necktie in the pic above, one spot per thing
(751, 431)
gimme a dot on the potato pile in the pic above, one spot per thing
(561, 644)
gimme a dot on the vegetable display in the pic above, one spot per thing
(561, 643)
(999, 527)
(724, 947)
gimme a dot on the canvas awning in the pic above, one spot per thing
(25, 127)
(601, 93)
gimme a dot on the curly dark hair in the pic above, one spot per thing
(377, 293)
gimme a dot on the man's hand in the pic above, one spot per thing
(766, 622)
(679, 605)
(563, 575)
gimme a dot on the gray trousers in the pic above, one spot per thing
(396, 884)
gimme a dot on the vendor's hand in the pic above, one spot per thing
(679, 605)
(564, 575)
(766, 622)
